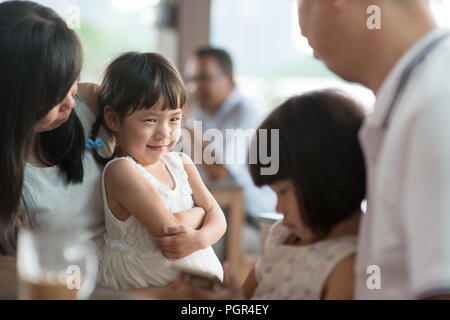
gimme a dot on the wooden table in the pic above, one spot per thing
(8, 285)
(233, 199)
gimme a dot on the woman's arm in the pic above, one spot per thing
(89, 93)
(229, 291)
(180, 241)
(169, 292)
(339, 285)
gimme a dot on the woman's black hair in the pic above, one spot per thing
(138, 80)
(40, 60)
(320, 153)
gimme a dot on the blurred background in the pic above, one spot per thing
(272, 60)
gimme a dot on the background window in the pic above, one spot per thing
(272, 60)
(107, 28)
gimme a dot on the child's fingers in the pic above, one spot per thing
(169, 244)
(171, 230)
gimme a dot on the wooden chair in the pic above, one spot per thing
(233, 199)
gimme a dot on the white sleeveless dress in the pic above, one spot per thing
(131, 258)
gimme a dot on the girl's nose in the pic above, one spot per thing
(279, 208)
(163, 131)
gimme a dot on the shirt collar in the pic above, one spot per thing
(387, 90)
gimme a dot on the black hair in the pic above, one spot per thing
(40, 59)
(138, 80)
(320, 153)
(222, 57)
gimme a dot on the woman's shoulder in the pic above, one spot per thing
(88, 92)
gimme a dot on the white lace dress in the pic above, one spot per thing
(131, 258)
(286, 272)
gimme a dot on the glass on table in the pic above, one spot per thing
(55, 265)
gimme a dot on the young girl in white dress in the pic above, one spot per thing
(320, 185)
(156, 206)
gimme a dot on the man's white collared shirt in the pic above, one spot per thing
(405, 233)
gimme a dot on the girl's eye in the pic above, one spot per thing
(283, 191)
(150, 120)
(175, 120)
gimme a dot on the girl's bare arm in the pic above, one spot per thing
(214, 225)
(339, 285)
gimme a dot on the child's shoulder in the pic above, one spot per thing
(119, 168)
(119, 162)
(278, 233)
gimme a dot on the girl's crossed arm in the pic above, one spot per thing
(129, 193)
(180, 240)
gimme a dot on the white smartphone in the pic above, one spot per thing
(196, 277)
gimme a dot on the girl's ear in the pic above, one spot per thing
(112, 118)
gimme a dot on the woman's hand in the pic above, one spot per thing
(169, 292)
(230, 290)
(179, 241)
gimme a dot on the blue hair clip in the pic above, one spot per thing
(92, 145)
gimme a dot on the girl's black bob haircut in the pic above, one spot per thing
(320, 153)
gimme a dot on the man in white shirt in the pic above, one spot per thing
(222, 107)
(404, 241)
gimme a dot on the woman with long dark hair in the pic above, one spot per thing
(46, 178)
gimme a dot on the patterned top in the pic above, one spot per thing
(131, 258)
(290, 272)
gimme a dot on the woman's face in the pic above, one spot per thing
(59, 113)
(287, 205)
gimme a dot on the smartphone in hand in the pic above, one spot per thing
(198, 278)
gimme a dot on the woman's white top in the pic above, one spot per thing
(288, 272)
(131, 258)
(54, 204)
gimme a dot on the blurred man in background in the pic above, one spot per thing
(219, 105)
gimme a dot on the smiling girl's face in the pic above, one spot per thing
(287, 204)
(147, 134)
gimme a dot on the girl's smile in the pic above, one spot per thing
(158, 148)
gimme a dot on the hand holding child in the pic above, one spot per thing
(230, 290)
